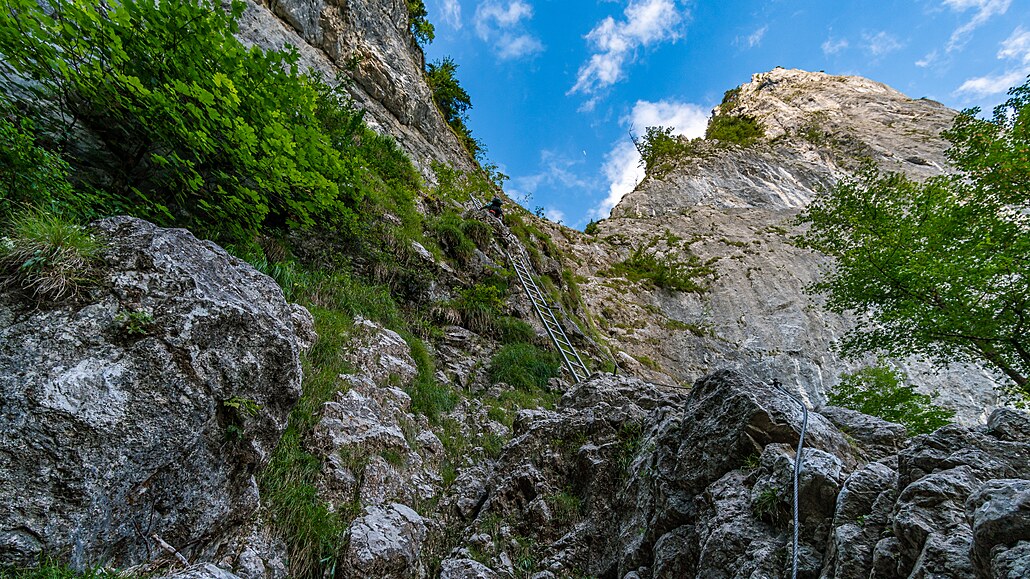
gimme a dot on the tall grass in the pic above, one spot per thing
(48, 256)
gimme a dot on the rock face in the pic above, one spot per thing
(146, 412)
(628, 479)
(367, 41)
(733, 207)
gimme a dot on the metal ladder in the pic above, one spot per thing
(546, 312)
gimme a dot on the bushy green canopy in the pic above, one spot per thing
(164, 114)
(938, 268)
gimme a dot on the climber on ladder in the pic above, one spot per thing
(494, 208)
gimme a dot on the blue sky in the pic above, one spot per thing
(558, 86)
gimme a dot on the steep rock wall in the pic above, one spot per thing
(734, 207)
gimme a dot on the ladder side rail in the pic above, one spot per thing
(539, 312)
(561, 329)
(550, 311)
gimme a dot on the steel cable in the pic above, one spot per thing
(797, 476)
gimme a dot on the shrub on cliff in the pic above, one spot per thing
(882, 392)
(159, 106)
(523, 367)
(740, 129)
(645, 264)
(659, 149)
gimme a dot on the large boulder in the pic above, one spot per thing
(999, 514)
(386, 542)
(144, 413)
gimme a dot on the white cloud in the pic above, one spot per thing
(755, 38)
(834, 45)
(1017, 46)
(556, 171)
(1014, 48)
(555, 215)
(991, 84)
(927, 60)
(511, 47)
(881, 43)
(501, 24)
(615, 43)
(622, 164)
(985, 10)
(450, 12)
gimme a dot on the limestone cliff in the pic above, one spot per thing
(733, 207)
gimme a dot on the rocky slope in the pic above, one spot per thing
(632, 480)
(733, 207)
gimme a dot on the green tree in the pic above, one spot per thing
(880, 391)
(938, 268)
(452, 99)
(418, 22)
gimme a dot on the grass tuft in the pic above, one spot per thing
(48, 257)
(524, 367)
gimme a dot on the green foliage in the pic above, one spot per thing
(939, 267)
(30, 176)
(135, 323)
(49, 568)
(523, 366)
(428, 397)
(478, 308)
(729, 98)
(450, 232)
(191, 127)
(566, 507)
(418, 22)
(392, 456)
(686, 273)
(591, 228)
(659, 150)
(461, 188)
(742, 130)
(882, 392)
(453, 101)
(769, 506)
(243, 406)
(48, 256)
(312, 531)
(513, 330)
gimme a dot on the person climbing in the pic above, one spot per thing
(494, 208)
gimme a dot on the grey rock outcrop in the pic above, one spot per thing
(201, 571)
(629, 479)
(386, 542)
(999, 513)
(376, 451)
(146, 411)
